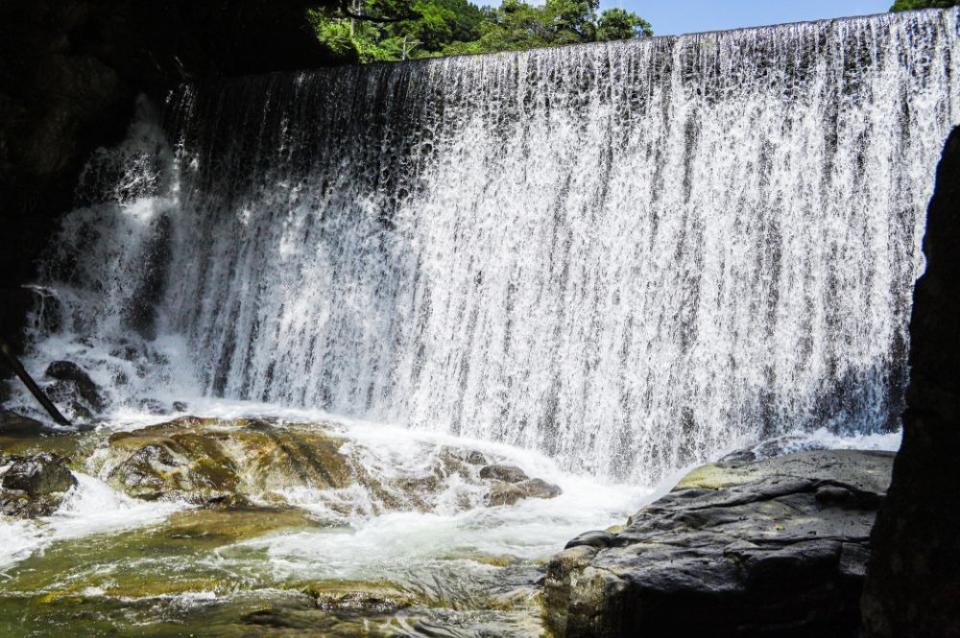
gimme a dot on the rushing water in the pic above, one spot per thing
(628, 256)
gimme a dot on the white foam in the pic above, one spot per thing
(91, 507)
(396, 544)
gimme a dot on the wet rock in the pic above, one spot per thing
(538, 488)
(505, 473)
(476, 458)
(180, 406)
(503, 494)
(33, 485)
(59, 442)
(775, 547)
(66, 396)
(153, 406)
(208, 461)
(597, 538)
(779, 446)
(510, 493)
(17, 425)
(69, 372)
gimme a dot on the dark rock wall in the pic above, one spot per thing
(70, 71)
(913, 586)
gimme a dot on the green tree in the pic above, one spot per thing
(378, 30)
(618, 24)
(907, 5)
(572, 20)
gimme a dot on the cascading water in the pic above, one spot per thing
(629, 256)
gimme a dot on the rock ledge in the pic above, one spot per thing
(772, 548)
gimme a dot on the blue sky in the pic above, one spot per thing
(688, 16)
(671, 17)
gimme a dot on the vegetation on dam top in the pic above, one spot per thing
(393, 30)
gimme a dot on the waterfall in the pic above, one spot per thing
(628, 255)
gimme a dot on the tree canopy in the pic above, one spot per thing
(907, 5)
(387, 30)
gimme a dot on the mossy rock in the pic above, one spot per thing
(69, 445)
(33, 485)
(717, 477)
(208, 461)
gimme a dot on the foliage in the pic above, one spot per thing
(617, 24)
(907, 5)
(387, 30)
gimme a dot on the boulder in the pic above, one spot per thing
(33, 485)
(510, 493)
(207, 461)
(776, 547)
(69, 372)
(505, 473)
(239, 462)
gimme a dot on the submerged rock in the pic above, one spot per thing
(775, 547)
(33, 485)
(360, 599)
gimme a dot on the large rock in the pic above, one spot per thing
(914, 584)
(510, 493)
(261, 461)
(511, 485)
(75, 379)
(770, 548)
(505, 473)
(33, 485)
(207, 461)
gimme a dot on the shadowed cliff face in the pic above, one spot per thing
(913, 587)
(69, 76)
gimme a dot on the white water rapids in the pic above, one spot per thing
(627, 256)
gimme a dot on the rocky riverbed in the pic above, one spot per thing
(270, 526)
